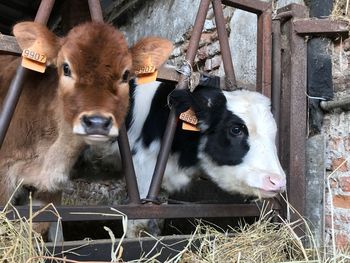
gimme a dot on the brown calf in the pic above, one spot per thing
(83, 101)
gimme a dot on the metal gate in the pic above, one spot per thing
(280, 76)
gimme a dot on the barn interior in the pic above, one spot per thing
(65, 15)
(304, 158)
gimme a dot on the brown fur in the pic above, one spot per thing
(40, 146)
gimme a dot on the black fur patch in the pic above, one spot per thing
(225, 133)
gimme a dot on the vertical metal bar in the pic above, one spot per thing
(224, 44)
(95, 10)
(277, 70)
(264, 43)
(294, 111)
(128, 166)
(123, 142)
(276, 87)
(11, 101)
(276, 74)
(16, 86)
(171, 124)
(44, 11)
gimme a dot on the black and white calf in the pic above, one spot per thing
(235, 146)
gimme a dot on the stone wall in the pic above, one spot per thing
(336, 129)
(174, 19)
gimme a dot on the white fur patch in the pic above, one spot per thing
(175, 178)
(143, 97)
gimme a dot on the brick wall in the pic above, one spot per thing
(208, 57)
(337, 130)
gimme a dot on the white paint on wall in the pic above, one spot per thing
(242, 42)
(281, 3)
(166, 18)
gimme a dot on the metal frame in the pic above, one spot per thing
(288, 91)
(272, 64)
(263, 10)
(134, 209)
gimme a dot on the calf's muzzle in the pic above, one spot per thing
(96, 124)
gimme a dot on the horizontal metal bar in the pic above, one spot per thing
(9, 44)
(132, 248)
(253, 6)
(168, 73)
(321, 27)
(136, 211)
(343, 103)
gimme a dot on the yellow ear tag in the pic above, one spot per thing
(146, 78)
(146, 72)
(189, 127)
(33, 60)
(189, 120)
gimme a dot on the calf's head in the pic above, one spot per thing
(237, 146)
(94, 65)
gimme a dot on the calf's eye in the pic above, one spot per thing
(66, 70)
(237, 130)
(125, 76)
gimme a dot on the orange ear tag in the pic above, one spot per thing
(146, 78)
(189, 120)
(146, 72)
(189, 127)
(33, 60)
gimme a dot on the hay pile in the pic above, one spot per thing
(264, 241)
(18, 240)
(341, 10)
(261, 242)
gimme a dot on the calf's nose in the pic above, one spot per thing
(274, 183)
(96, 124)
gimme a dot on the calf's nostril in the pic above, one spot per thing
(272, 181)
(108, 123)
(96, 123)
(86, 121)
(276, 182)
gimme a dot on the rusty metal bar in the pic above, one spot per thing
(343, 104)
(16, 86)
(264, 43)
(294, 111)
(321, 27)
(128, 166)
(9, 44)
(168, 73)
(95, 10)
(123, 142)
(224, 45)
(44, 11)
(139, 211)
(100, 250)
(11, 100)
(172, 120)
(253, 6)
(276, 74)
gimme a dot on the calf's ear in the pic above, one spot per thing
(37, 37)
(180, 100)
(150, 52)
